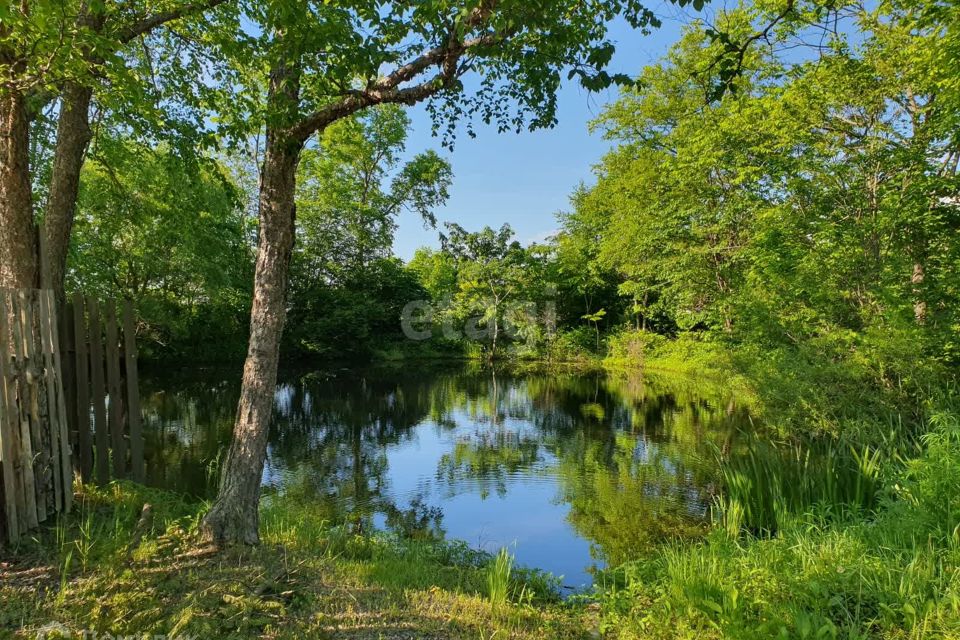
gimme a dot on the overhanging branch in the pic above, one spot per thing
(149, 23)
(387, 89)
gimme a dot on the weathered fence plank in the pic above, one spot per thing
(11, 510)
(133, 392)
(59, 409)
(63, 317)
(26, 434)
(117, 437)
(82, 395)
(50, 381)
(98, 392)
(10, 421)
(28, 400)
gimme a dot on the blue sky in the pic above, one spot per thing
(526, 179)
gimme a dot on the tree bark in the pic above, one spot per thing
(234, 517)
(73, 136)
(18, 232)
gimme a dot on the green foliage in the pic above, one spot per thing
(351, 188)
(436, 271)
(491, 273)
(767, 485)
(354, 318)
(891, 576)
(498, 578)
(799, 219)
(347, 292)
(518, 51)
(487, 292)
(166, 232)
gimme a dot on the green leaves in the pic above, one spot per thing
(342, 57)
(167, 232)
(488, 284)
(596, 317)
(351, 187)
(795, 208)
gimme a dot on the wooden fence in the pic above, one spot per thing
(69, 403)
(35, 463)
(100, 351)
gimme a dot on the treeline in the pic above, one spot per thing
(807, 223)
(803, 228)
(810, 215)
(814, 206)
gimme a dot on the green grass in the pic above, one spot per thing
(766, 486)
(498, 577)
(890, 573)
(308, 578)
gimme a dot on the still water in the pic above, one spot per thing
(570, 471)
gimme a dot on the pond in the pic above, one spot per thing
(571, 471)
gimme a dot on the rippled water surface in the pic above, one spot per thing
(571, 471)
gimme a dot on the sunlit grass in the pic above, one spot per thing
(308, 578)
(498, 577)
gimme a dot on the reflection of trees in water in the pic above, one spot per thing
(188, 416)
(632, 456)
(643, 469)
(330, 446)
(486, 461)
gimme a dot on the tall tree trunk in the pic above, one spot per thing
(234, 517)
(18, 232)
(73, 136)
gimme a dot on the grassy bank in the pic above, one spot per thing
(109, 569)
(865, 545)
(892, 572)
(859, 392)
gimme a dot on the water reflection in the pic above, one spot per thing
(574, 470)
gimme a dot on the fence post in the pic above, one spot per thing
(62, 317)
(117, 439)
(11, 420)
(133, 392)
(98, 392)
(59, 409)
(26, 438)
(49, 377)
(84, 439)
(11, 509)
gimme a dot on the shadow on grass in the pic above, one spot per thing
(107, 569)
